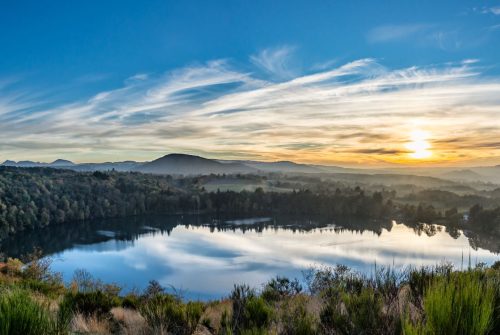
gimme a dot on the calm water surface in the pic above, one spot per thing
(191, 254)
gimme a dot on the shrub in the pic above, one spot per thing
(97, 303)
(13, 267)
(387, 282)
(419, 280)
(131, 301)
(339, 277)
(462, 303)
(250, 313)
(240, 295)
(226, 325)
(194, 310)
(39, 269)
(154, 288)
(166, 313)
(354, 313)
(20, 315)
(295, 319)
(279, 288)
(333, 320)
(257, 314)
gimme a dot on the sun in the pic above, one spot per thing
(419, 145)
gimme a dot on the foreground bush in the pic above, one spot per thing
(89, 303)
(251, 314)
(21, 315)
(296, 319)
(462, 303)
(167, 314)
(431, 300)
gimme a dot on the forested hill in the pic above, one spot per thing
(38, 197)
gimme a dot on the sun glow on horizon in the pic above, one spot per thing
(419, 145)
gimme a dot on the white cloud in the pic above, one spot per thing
(359, 112)
(275, 61)
(387, 33)
(495, 10)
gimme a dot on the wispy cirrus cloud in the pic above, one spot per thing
(275, 61)
(447, 37)
(396, 32)
(495, 10)
(357, 113)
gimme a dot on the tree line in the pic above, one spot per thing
(38, 197)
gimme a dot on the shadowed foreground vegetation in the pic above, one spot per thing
(328, 300)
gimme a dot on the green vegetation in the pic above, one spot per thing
(461, 303)
(21, 314)
(433, 300)
(438, 300)
(37, 197)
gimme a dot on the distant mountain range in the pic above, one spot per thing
(65, 164)
(192, 165)
(182, 164)
(56, 163)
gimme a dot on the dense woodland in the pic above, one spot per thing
(38, 197)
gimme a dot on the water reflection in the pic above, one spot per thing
(206, 256)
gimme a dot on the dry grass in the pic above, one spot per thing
(314, 304)
(89, 325)
(131, 322)
(202, 330)
(214, 311)
(51, 304)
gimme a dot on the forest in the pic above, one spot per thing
(38, 197)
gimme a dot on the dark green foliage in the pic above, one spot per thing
(335, 278)
(38, 197)
(365, 311)
(154, 288)
(166, 313)
(279, 288)
(295, 318)
(194, 311)
(353, 313)
(240, 296)
(418, 280)
(226, 326)
(487, 219)
(131, 301)
(88, 303)
(387, 283)
(251, 314)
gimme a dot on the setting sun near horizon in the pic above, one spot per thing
(419, 145)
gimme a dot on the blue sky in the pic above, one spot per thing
(64, 63)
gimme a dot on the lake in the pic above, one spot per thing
(203, 257)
